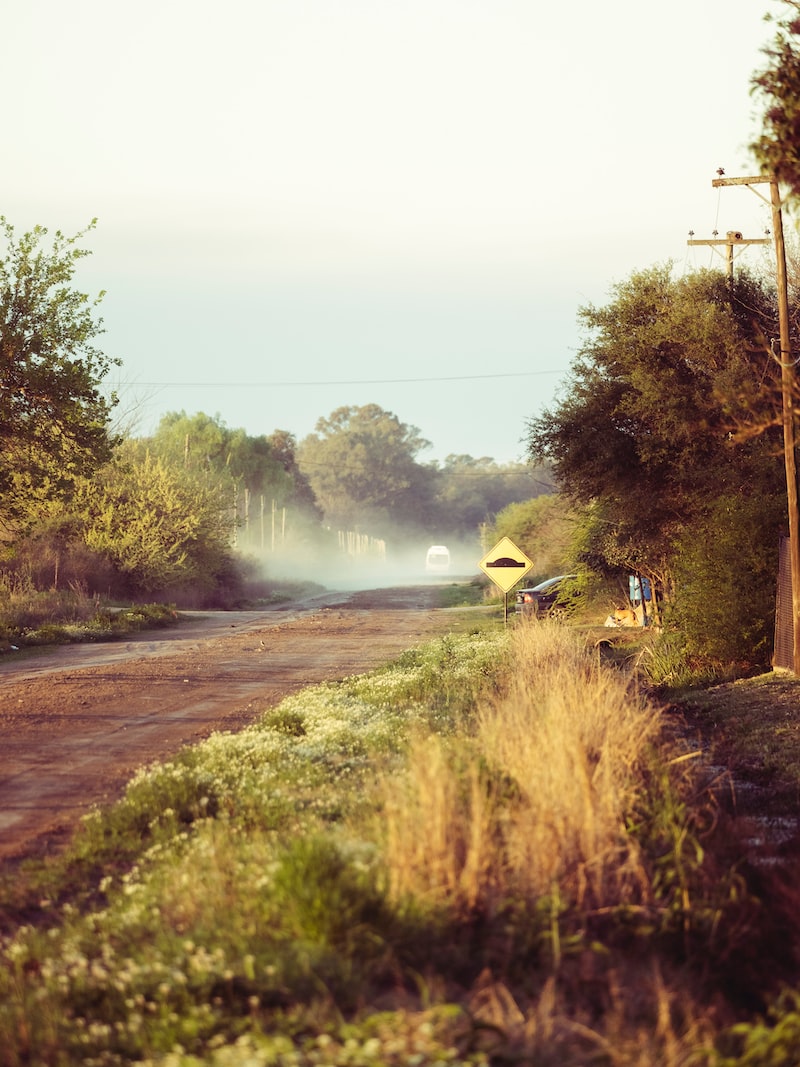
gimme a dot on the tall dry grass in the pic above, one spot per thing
(530, 799)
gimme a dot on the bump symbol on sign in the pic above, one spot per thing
(505, 564)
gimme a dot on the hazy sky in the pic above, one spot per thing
(306, 204)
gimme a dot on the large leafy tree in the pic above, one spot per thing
(203, 444)
(283, 448)
(644, 431)
(777, 87)
(53, 417)
(196, 442)
(471, 492)
(361, 463)
(260, 474)
(544, 528)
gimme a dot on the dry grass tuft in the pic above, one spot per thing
(534, 796)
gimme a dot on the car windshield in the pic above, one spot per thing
(544, 586)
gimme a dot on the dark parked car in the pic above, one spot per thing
(550, 597)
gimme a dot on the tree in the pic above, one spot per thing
(164, 531)
(204, 444)
(196, 442)
(726, 581)
(53, 417)
(361, 464)
(259, 474)
(650, 438)
(471, 492)
(283, 446)
(778, 87)
(544, 529)
(668, 370)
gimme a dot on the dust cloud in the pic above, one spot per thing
(367, 567)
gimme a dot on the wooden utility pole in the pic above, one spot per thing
(787, 391)
(732, 240)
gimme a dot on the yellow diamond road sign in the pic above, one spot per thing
(505, 564)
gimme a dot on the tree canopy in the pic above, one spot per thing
(361, 464)
(645, 430)
(203, 443)
(471, 492)
(159, 528)
(258, 473)
(53, 416)
(777, 87)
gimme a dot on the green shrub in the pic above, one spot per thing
(665, 662)
(725, 582)
(770, 1042)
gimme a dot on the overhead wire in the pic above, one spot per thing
(334, 381)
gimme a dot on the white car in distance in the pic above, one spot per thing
(437, 560)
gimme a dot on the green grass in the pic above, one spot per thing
(37, 619)
(461, 594)
(492, 851)
(31, 618)
(753, 727)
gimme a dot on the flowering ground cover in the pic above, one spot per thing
(493, 850)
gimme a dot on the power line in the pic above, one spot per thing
(353, 381)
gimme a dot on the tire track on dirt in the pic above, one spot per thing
(71, 735)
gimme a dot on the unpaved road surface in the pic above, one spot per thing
(77, 722)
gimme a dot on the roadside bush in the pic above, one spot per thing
(665, 662)
(725, 585)
(53, 556)
(29, 617)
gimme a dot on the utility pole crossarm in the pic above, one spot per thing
(757, 179)
(733, 239)
(740, 241)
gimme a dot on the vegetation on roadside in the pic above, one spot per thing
(462, 594)
(31, 618)
(753, 726)
(494, 850)
(666, 443)
(499, 849)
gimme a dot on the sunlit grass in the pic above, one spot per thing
(31, 617)
(535, 795)
(483, 853)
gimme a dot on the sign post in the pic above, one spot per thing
(505, 564)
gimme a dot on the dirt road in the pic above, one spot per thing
(76, 722)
